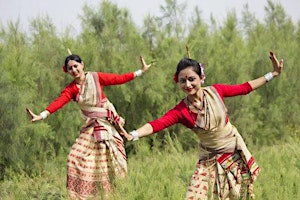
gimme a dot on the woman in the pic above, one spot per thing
(226, 169)
(98, 153)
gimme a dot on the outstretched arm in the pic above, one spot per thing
(277, 69)
(107, 79)
(39, 117)
(141, 132)
(147, 128)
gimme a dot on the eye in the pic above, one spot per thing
(70, 67)
(182, 80)
(191, 79)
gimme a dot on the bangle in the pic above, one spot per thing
(135, 135)
(44, 114)
(138, 72)
(268, 76)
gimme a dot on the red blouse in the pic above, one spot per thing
(180, 113)
(71, 90)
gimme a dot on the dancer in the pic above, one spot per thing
(225, 169)
(98, 154)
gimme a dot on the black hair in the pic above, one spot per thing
(72, 57)
(188, 62)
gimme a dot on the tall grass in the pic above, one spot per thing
(280, 176)
(164, 175)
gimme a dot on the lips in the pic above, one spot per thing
(75, 73)
(189, 89)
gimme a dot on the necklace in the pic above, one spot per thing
(197, 113)
(81, 85)
(80, 80)
(197, 105)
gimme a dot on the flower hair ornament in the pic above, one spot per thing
(202, 73)
(65, 67)
(175, 78)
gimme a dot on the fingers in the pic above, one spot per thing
(144, 63)
(272, 56)
(277, 65)
(274, 59)
(145, 67)
(29, 112)
(281, 62)
(124, 133)
(129, 138)
(142, 60)
(122, 129)
(33, 117)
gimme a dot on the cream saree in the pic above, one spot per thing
(226, 169)
(98, 155)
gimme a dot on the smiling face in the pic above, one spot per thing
(75, 69)
(189, 81)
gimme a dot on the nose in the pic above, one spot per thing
(188, 83)
(73, 69)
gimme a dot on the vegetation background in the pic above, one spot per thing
(33, 156)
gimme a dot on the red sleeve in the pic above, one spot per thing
(181, 114)
(233, 90)
(114, 79)
(178, 114)
(65, 96)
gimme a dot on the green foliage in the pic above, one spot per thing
(47, 185)
(156, 174)
(280, 172)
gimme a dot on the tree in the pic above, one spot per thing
(172, 16)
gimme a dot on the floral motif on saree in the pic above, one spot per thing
(98, 155)
(226, 168)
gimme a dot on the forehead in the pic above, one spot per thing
(187, 72)
(72, 63)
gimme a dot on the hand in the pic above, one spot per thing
(277, 65)
(123, 132)
(33, 116)
(129, 137)
(145, 67)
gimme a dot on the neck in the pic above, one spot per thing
(80, 79)
(196, 97)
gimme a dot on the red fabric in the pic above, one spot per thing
(232, 90)
(180, 113)
(71, 90)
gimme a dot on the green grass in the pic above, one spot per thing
(164, 175)
(280, 174)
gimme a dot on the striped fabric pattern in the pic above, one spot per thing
(92, 166)
(226, 169)
(98, 155)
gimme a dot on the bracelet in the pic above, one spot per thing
(135, 135)
(138, 72)
(44, 114)
(268, 76)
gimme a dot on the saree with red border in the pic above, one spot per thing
(98, 156)
(226, 169)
